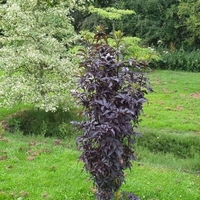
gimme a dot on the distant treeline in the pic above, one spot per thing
(173, 24)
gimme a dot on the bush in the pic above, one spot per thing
(130, 47)
(35, 60)
(112, 92)
(38, 122)
(182, 146)
(178, 60)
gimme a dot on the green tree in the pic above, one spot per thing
(175, 23)
(153, 20)
(103, 3)
(189, 14)
(35, 60)
(105, 12)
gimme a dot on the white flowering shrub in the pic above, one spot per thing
(35, 63)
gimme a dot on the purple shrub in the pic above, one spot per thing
(112, 92)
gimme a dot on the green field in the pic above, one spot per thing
(35, 167)
(174, 104)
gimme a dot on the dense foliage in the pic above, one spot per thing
(173, 24)
(178, 60)
(111, 91)
(169, 21)
(184, 146)
(34, 54)
(48, 124)
(129, 46)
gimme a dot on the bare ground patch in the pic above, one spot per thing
(195, 95)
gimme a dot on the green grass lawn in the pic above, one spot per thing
(46, 168)
(35, 167)
(173, 110)
(174, 104)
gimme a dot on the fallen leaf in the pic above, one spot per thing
(3, 157)
(93, 190)
(32, 143)
(36, 153)
(24, 194)
(58, 142)
(30, 158)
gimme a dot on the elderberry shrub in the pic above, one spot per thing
(111, 92)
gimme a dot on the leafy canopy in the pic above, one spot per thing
(34, 57)
(129, 46)
(189, 13)
(110, 12)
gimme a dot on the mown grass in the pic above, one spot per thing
(174, 103)
(47, 168)
(171, 121)
(38, 167)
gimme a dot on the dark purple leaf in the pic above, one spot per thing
(112, 107)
